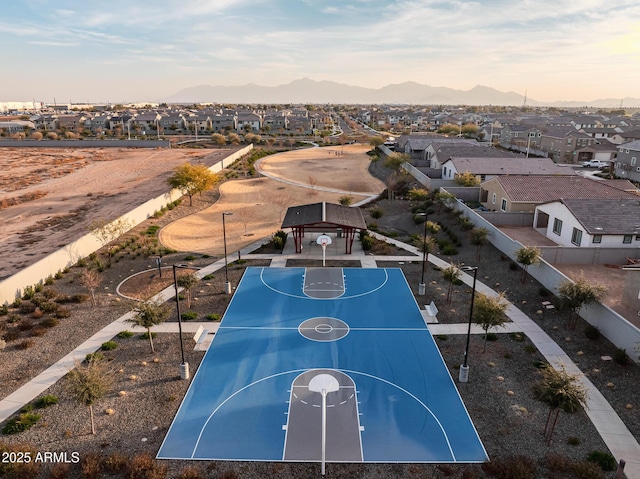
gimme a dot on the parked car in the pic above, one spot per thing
(595, 164)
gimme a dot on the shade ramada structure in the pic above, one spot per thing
(326, 218)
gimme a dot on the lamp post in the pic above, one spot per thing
(224, 240)
(425, 255)
(184, 366)
(464, 369)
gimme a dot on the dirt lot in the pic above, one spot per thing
(259, 205)
(49, 197)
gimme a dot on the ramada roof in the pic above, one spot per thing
(327, 213)
(613, 217)
(539, 188)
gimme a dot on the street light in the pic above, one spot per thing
(464, 369)
(226, 266)
(184, 366)
(425, 255)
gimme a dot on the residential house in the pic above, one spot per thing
(489, 167)
(602, 150)
(72, 122)
(627, 164)
(275, 122)
(171, 122)
(223, 122)
(438, 152)
(198, 122)
(560, 143)
(520, 137)
(601, 133)
(248, 122)
(146, 122)
(612, 223)
(522, 193)
(627, 135)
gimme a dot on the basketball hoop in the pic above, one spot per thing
(323, 240)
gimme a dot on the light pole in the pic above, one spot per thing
(184, 366)
(464, 369)
(425, 256)
(224, 240)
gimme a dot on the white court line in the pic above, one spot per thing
(291, 295)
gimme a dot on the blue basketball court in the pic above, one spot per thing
(323, 362)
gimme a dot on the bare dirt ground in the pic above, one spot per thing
(258, 205)
(49, 197)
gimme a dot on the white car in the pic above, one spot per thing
(595, 164)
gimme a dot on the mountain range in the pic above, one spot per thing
(306, 90)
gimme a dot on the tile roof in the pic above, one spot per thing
(632, 145)
(518, 165)
(613, 217)
(539, 189)
(330, 213)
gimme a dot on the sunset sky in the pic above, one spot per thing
(124, 50)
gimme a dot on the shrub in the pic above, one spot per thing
(3, 344)
(80, 298)
(50, 293)
(346, 200)
(124, 334)
(25, 325)
(91, 466)
(21, 423)
(492, 337)
(190, 472)
(419, 219)
(442, 337)
(29, 292)
(449, 250)
(26, 344)
(376, 213)
(620, 356)
(144, 466)
(145, 335)
(367, 243)
(49, 322)
(109, 346)
(515, 467)
(116, 462)
(213, 317)
(189, 316)
(17, 302)
(27, 307)
(530, 348)
(49, 307)
(46, 401)
(58, 275)
(591, 332)
(63, 313)
(517, 337)
(152, 230)
(586, 470)
(4, 310)
(544, 292)
(574, 441)
(92, 357)
(48, 280)
(189, 257)
(605, 460)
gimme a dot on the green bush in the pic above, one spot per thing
(58, 275)
(189, 316)
(449, 250)
(377, 212)
(91, 357)
(21, 423)
(367, 243)
(620, 356)
(189, 257)
(517, 337)
(591, 332)
(152, 230)
(46, 401)
(4, 310)
(145, 335)
(48, 280)
(419, 219)
(208, 277)
(586, 470)
(213, 317)
(63, 312)
(574, 441)
(109, 346)
(515, 467)
(124, 334)
(49, 322)
(605, 460)
(29, 292)
(492, 337)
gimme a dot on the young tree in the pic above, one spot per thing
(375, 142)
(192, 179)
(450, 274)
(489, 312)
(106, 232)
(89, 383)
(187, 282)
(91, 279)
(479, 238)
(466, 179)
(560, 391)
(579, 293)
(445, 199)
(527, 256)
(395, 160)
(219, 139)
(313, 182)
(148, 314)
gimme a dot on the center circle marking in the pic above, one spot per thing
(323, 329)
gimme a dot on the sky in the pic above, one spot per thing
(134, 51)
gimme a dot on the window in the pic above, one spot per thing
(626, 239)
(493, 199)
(576, 236)
(597, 238)
(503, 205)
(633, 161)
(637, 237)
(557, 226)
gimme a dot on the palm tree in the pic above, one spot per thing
(489, 312)
(148, 314)
(560, 391)
(576, 294)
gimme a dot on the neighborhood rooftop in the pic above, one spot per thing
(612, 217)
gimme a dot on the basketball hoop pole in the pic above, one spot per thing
(324, 250)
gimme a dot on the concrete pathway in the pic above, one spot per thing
(613, 431)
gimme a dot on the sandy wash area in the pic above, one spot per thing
(258, 205)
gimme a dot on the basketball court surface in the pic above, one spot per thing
(323, 362)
